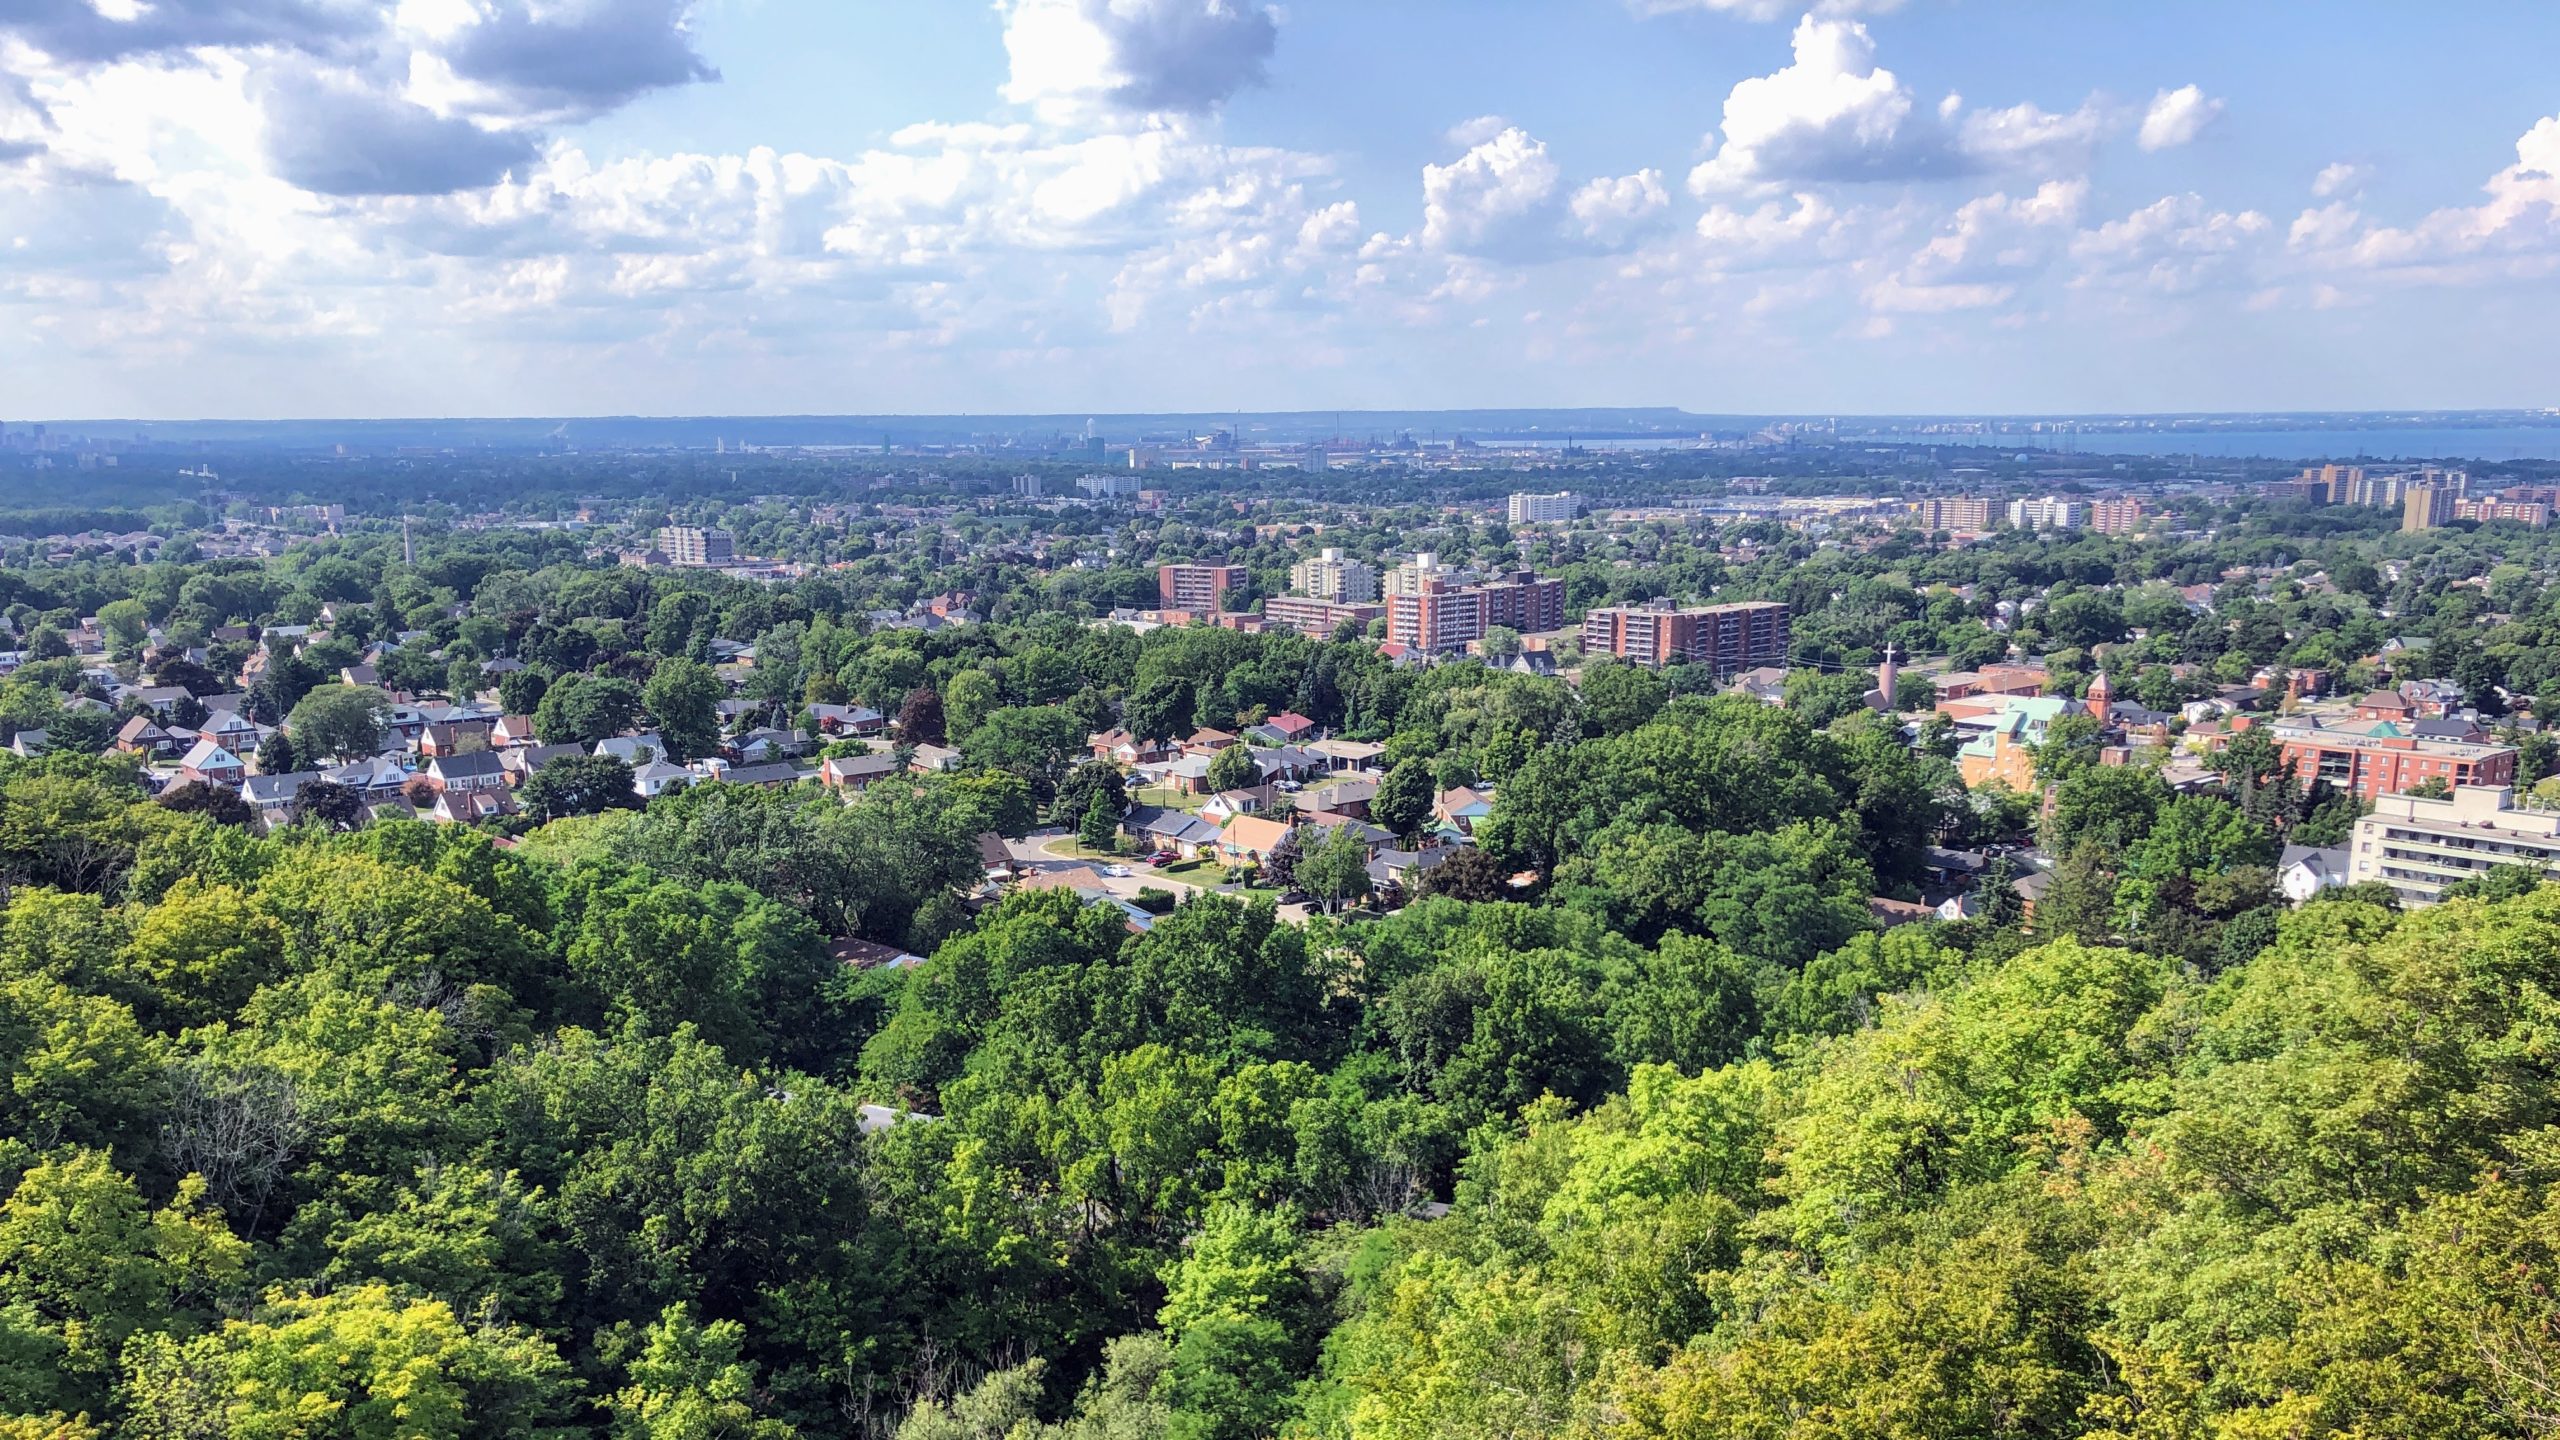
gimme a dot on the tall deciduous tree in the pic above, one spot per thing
(684, 701)
(340, 721)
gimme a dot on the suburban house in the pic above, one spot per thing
(2304, 871)
(1187, 773)
(847, 720)
(1122, 748)
(1228, 804)
(1394, 873)
(462, 807)
(1185, 834)
(1350, 757)
(628, 748)
(377, 779)
(479, 770)
(1205, 741)
(1281, 730)
(512, 731)
(856, 773)
(934, 760)
(657, 777)
(162, 698)
(140, 736)
(233, 730)
(212, 764)
(1343, 797)
(1371, 838)
(762, 744)
(1250, 839)
(447, 738)
(774, 776)
(995, 856)
(524, 761)
(1289, 762)
(272, 795)
(1462, 809)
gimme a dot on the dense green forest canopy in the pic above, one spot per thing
(403, 1133)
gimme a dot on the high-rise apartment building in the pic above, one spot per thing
(2048, 512)
(1419, 575)
(2424, 507)
(697, 545)
(1331, 577)
(1440, 614)
(1528, 509)
(1726, 638)
(2327, 484)
(1108, 487)
(1955, 512)
(1197, 587)
(2116, 517)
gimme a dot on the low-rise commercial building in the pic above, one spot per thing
(1315, 618)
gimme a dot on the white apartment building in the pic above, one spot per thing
(1529, 509)
(697, 545)
(1108, 487)
(2419, 846)
(1329, 576)
(2048, 512)
(1419, 575)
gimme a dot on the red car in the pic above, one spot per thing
(1162, 858)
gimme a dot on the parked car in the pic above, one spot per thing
(1117, 872)
(1162, 858)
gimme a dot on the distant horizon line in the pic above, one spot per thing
(2369, 415)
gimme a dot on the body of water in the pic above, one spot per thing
(2507, 442)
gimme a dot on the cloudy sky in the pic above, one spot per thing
(350, 207)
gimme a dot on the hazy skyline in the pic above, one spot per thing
(322, 207)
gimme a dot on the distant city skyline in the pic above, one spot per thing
(321, 208)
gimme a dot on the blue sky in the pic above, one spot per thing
(352, 207)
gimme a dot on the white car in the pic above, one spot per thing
(1117, 872)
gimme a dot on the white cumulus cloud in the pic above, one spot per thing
(1077, 60)
(1833, 114)
(1614, 209)
(2177, 117)
(2177, 243)
(1499, 195)
(2340, 178)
